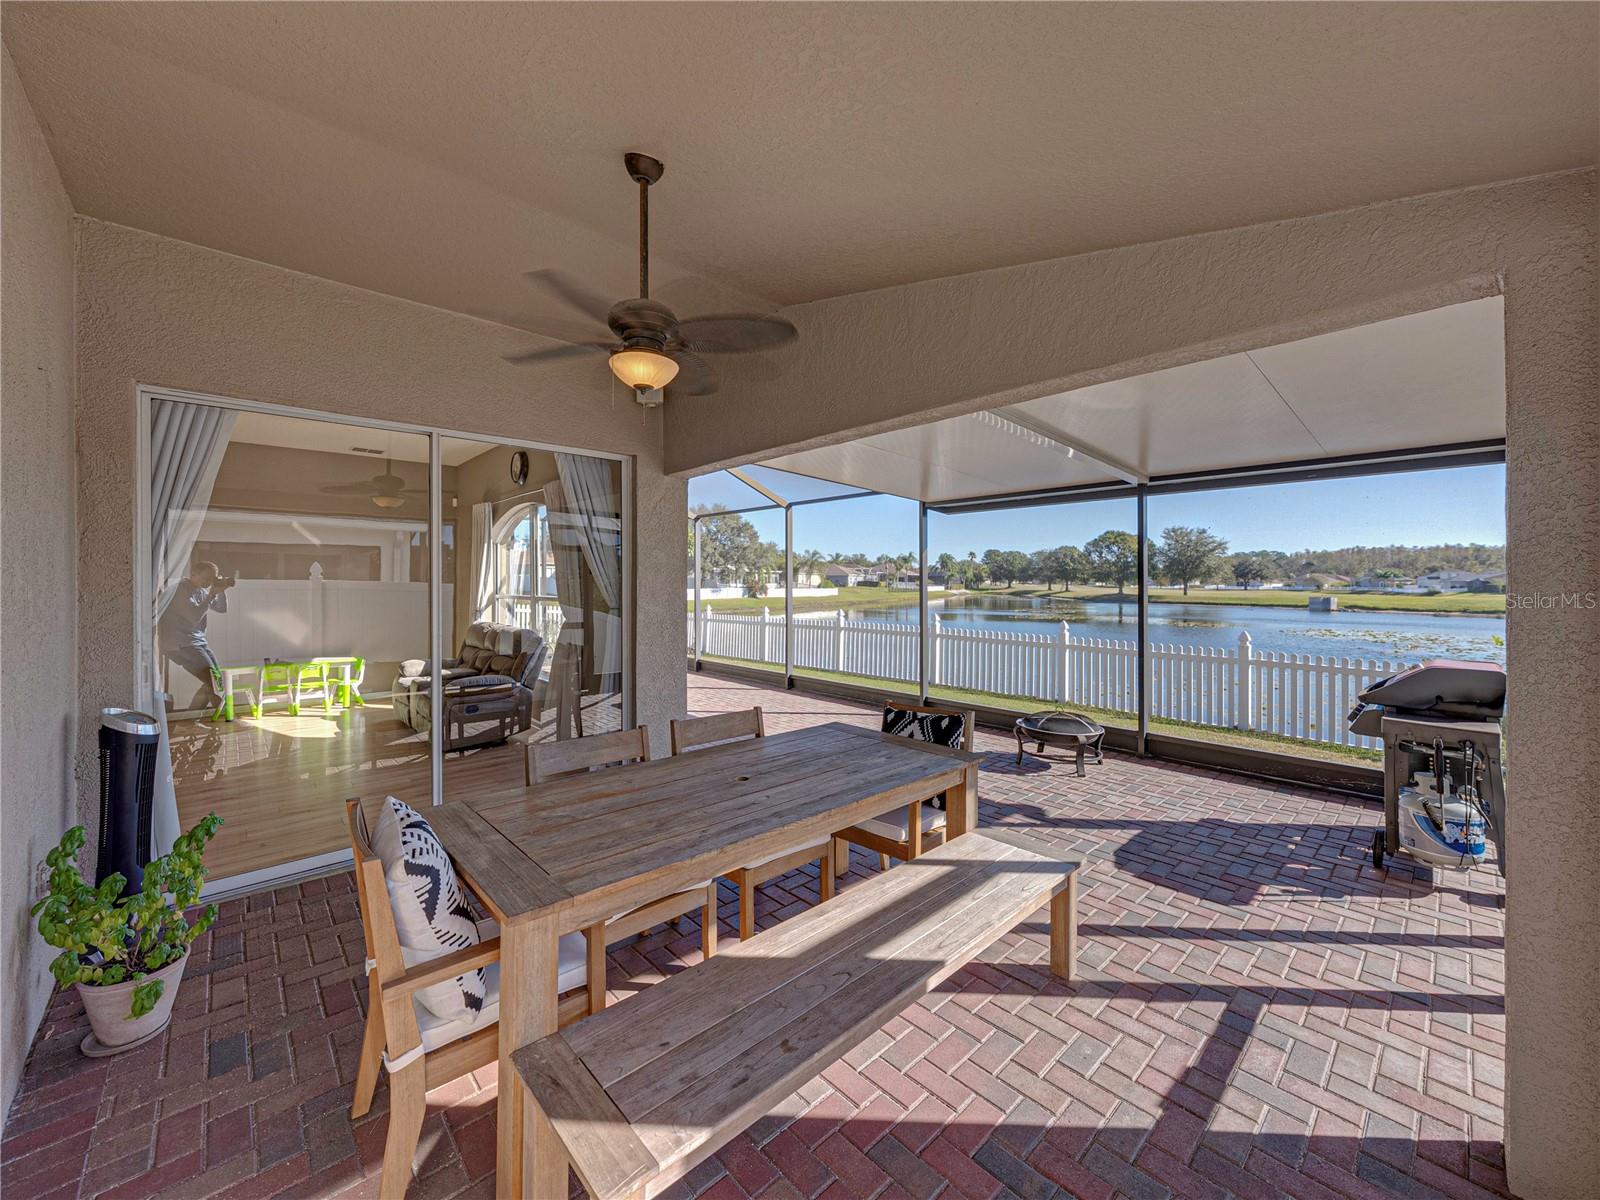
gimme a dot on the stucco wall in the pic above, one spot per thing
(156, 311)
(905, 355)
(38, 623)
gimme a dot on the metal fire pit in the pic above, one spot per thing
(1066, 729)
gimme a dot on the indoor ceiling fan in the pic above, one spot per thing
(649, 347)
(387, 490)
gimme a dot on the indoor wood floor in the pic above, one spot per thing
(279, 783)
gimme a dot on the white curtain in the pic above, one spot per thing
(187, 442)
(594, 506)
(485, 586)
(592, 517)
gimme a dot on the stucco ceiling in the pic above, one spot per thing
(1428, 379)
(436, 151)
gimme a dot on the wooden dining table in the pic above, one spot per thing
(557, 857)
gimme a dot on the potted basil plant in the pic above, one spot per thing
(125, 954)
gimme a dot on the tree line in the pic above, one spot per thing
(1183, 556)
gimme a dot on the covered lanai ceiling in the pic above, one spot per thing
(1429, 379)
(437, 151)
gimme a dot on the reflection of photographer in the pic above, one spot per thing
(183, 627)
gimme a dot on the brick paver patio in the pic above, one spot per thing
(1262, 1015)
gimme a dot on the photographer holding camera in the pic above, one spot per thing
(182, 629)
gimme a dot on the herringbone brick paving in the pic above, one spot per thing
(1262, 1015)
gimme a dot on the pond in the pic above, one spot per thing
(1353, 634)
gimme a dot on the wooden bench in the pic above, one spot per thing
(634, 1097)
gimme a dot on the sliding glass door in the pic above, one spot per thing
(533, 641)
(292, 570)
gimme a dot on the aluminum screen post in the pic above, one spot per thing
(1143, 496)
(788, 596)
(699, 632)
(922, 600)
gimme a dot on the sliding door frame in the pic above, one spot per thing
(145, 396)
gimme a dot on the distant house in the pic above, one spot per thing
(1462, 581)
(1379, 583)
(851, 575)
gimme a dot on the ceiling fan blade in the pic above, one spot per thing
(350, 489)
(570, 292)
(730, 333)
(547, 353)
(695, 377)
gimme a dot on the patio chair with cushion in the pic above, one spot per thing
(905, 832)
(549, 761)
(696, 733)
(433, 983)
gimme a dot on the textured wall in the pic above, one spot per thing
(904, 355)
(38, 624)
(155, 311)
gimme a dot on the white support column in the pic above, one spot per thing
(699, 629)
(788, 597)
(922, 601)
(1143, 659)
(838, 639)
(936, 670)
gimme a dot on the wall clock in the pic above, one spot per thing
(519, 467)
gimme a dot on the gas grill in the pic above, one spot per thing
(1440, 724)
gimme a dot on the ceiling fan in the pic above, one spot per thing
(649, 347)
(387, 490)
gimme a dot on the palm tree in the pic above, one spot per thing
(806, 564)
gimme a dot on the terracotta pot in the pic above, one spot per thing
(108, 1006)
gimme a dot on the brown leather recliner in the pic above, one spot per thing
(492, 688)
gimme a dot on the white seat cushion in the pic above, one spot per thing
(572, 972)
(892, 825)
(794, 849)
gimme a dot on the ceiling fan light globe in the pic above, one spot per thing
(388, 501)
(643, 370)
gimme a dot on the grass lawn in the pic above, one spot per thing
(1471, 603)
(1110, 717)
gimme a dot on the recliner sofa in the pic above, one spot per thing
(492, 688)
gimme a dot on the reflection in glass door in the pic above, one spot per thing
(288, 584)
(533, 638)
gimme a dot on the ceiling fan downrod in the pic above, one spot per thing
(644, 170)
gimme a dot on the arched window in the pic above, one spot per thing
(525, 588)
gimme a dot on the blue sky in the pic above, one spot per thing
(1464, 504)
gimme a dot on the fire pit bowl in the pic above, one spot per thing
(1065, 729)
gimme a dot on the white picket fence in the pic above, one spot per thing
(1294, 695)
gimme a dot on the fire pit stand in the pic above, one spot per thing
(1066, 729)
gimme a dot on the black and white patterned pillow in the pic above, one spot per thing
(431, 916)
(942, 729)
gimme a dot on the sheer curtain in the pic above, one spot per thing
(593, 516)
(484, 584)
(187, 442)
(583, 512)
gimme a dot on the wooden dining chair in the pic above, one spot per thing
(696, 733)
(420, 1050)
(905, 832)
(574, 756)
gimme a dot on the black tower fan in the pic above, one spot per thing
(128, 742)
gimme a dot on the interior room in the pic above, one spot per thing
(830, 600)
